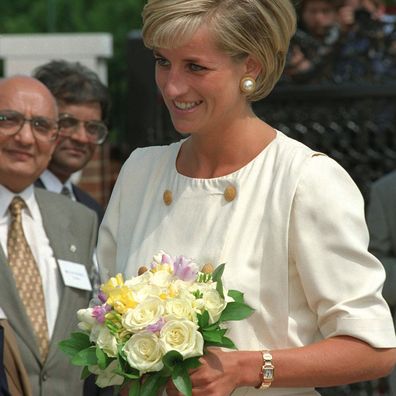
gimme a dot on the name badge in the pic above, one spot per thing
(74, 275)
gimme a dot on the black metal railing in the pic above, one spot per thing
(354, 123)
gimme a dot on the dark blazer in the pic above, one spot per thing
(72, 231)
(14, 369)
(3, 379)
(82, 197)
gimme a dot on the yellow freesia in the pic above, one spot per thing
(112, 283)
(162, 267)
(121, 299)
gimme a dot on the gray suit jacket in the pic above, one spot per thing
(71, 229)
(381, 220)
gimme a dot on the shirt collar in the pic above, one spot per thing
(6, 197)
(52, 183)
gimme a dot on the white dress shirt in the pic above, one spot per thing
(39, 245)
(53, 184)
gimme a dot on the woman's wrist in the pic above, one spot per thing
(252, 362)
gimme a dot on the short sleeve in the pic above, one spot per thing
(328, 242)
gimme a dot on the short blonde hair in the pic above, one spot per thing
(260, 28)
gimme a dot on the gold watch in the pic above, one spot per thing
(267, 370)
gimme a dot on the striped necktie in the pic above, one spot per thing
(27, 276)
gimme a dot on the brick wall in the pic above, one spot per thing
(99, 175)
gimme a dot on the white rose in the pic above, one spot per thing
(146, 313)
(143, 352)
(106, 377)
(180, 308)
(161, 279)
(181, 288)
(142, 292)
(214, 304)
(87, 320)
(107, 342)
(182, 336)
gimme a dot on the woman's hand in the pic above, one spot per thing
(219, 374)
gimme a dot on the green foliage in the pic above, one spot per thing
(236, 311)
(61, 16)
(74, 344)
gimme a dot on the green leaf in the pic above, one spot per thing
(76, 343)
(85, 373)
(130, 376)
(236, 295)
(102, 358)
(218, 272)
(172, 360)
(227, 343)
(212, 327)
(152, 384)
(134, 389)
(192, 363)
(213, 336)
(236, 311)
(203, 320)
(86, 357)
(224, 343)
(126, 371)
(182, 382)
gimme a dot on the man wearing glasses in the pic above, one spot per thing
(83, 103)
(46, 240)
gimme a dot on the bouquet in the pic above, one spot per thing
(142, 331)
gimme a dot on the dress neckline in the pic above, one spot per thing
(233, 174)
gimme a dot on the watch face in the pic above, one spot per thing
(268, 373)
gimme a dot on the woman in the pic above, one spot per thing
(288, 222)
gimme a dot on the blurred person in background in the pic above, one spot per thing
(83, 103)
(313, 44)
(366, 50)
(381, 220)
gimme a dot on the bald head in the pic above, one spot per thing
(24, 150)
(15, 86)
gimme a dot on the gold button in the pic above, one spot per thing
(230, 193)
(167, 197)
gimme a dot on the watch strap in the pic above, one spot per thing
(267, 370)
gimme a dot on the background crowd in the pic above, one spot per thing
(342, 41)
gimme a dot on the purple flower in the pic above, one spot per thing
(102, 297)
(184, 269)
(166, 259)
(100, 311)
(156, 327)
(160, 259)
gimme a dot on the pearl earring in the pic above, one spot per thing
(247, 85)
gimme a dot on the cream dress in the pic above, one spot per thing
(294, 240)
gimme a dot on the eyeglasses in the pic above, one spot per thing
(11, 122)
(96, 131)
